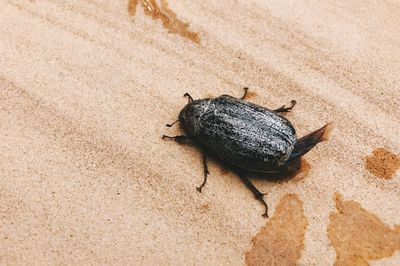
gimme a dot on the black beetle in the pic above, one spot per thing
(247, 136)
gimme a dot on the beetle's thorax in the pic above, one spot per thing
(191, 114)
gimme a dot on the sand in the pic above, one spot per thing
(86, 88)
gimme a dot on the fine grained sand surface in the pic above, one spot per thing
(86, 91)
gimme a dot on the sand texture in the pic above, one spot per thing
(86, 88)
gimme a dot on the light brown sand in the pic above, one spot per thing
(85, 92)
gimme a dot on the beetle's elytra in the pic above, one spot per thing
(245, 135)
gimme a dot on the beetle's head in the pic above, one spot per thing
(191, 113)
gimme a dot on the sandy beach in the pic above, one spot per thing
(86, 88)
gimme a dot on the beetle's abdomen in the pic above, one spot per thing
(246, 135)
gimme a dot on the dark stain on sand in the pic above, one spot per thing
(382, 163)
(281, 240)
(358, 235)
(169, 19)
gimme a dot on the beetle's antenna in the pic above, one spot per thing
(190, 97)
(170, 125)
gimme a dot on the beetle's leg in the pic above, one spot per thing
(284, 109)
(190, 99)
(205, 173)
(170, 125)
(245, 93)
(259, 195)
(179, 139)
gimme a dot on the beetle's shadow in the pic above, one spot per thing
(297, 175)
